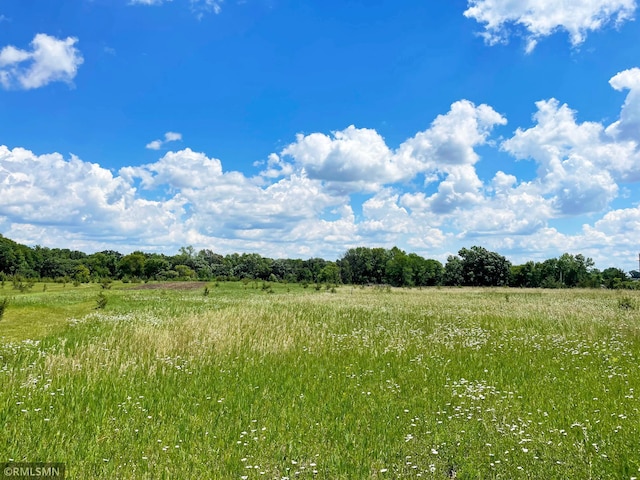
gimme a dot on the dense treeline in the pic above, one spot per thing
(475, 266)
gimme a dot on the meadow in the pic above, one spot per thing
(290, 382)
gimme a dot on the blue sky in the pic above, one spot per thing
(298, 129)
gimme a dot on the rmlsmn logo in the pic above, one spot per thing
(19, 471)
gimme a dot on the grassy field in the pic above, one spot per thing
(299, 383)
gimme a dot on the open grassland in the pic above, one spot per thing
(299, 383)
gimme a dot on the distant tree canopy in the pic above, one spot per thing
(478, 267)
(474, 266)
(364, 265)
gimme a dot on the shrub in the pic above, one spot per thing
(3, 306)
(626, 303)
(101, 301)
(19, 283)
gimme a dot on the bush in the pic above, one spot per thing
(626, 303)
(19, 283)
(101, 301)
(3, 306)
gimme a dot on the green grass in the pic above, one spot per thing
(299, 383)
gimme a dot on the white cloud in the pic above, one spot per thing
(358, 159)
(154, 145)
(572, 159)
(204, 6)
(228, 205)
(448, 149)
(49, 60)
(628, 126)
(148, 2)
(178, 170)
(452, 137)
(168, 137)
(541, 18)
(276, 167)
(579, 164)
(76, 196)
(199, 7)
(172, 137)
(301, 202)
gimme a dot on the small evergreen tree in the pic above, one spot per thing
(3, 306)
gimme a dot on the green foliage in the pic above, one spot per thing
(614, 278)
(3, 306)
(482, 268)
(453, 271)
(626, 303)
(363, 265)
(424, 383)
(21, 284)
(82, 274)
(330, 273)
(101, 301)
(473, 266)
(132, 265)
(185, 272)
(155, 265)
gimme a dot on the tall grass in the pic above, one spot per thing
(361, 383)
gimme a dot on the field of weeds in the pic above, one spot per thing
(239, 381)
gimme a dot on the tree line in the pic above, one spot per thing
(475, 266)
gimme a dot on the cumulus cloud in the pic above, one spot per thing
(448, 149)
(230, 205)
(324, 193)
(77, 195)
(168, 137)
(572, 159)
(628, 127)
(358, 159)
(541, 18)
(581, 164)
(452, 137)
(48, 60)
